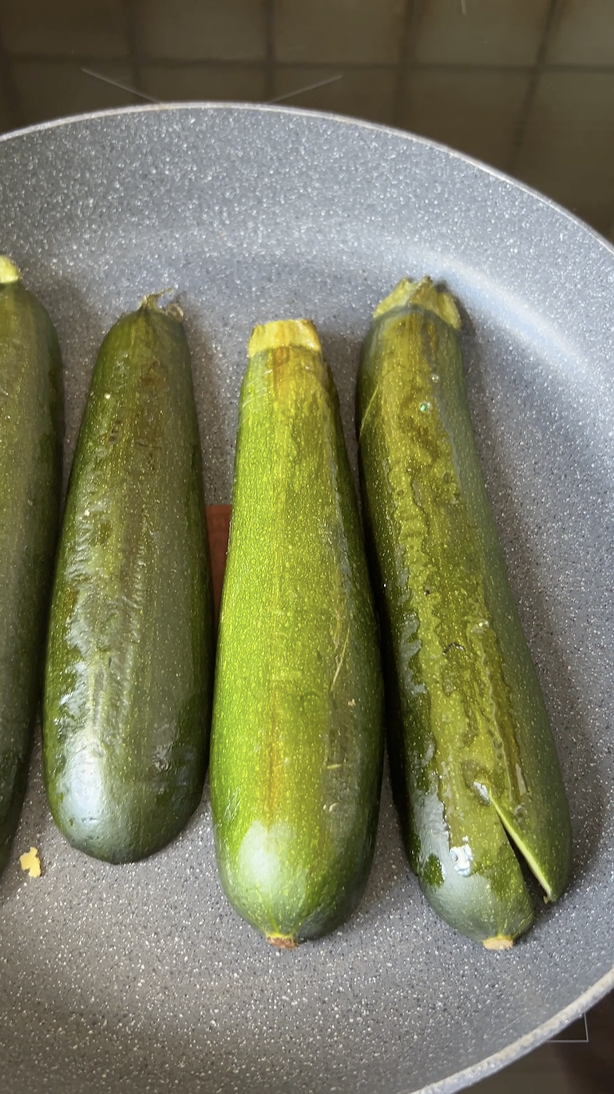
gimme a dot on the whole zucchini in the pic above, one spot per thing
(474, 766)
(129, 662)
(297, 738)
(31, 427)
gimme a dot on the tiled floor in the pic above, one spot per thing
(542, 1072)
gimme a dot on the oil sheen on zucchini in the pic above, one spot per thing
(129, 664)
(474, 766)
(31, 427)
(297, 738)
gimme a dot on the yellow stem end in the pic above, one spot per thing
(8, 271)
(282, 941)
(498, 942)
(283, 333)
(424, 294)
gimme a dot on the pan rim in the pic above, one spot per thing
(305, 112)
(605, 984)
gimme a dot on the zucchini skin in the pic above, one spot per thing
(128, 680)
(473, 760)
(31, 430)
(298, 732)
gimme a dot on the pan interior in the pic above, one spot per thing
(141, 978)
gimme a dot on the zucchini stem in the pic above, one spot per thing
(152, 301)
(8, 271)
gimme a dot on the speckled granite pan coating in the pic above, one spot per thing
(140, 978)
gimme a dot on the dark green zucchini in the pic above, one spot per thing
(129, 662)
(297, 738)
(474, 766)
(31, 427)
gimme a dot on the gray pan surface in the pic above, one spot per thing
(134, 979)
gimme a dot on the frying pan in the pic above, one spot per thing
(140, 978)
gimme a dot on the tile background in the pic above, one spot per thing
(525, 85)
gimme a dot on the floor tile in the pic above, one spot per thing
(540, 1072)
(339, 31)
(6, 116)
(566, 151)
(206, 82)
(202, 29)
(480, 32)
(476, 112)
(54, 89)
(362, 93)
(96, 28)
(583, 34)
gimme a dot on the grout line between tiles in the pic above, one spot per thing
(413, 11)
(170, 64)
(132, 32)
(141, 58)
(269, 45)
(9, 90)
(529, 99)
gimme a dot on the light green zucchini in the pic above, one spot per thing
(297, 738)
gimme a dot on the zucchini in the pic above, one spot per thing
(128, 679)
(297, 737)
(473, 762)
(31, 428)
